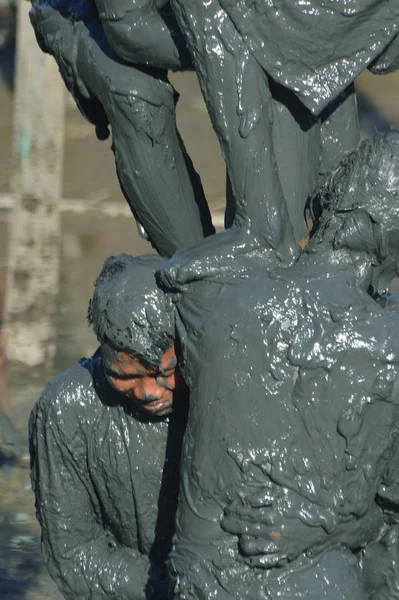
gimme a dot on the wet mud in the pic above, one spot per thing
(86, 241)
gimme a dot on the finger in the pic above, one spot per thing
(234, 526)
(252, 515)
(263, 498)
(251, 546)
(267, 561)
(233, 505)
(238, 526)
(240, 509)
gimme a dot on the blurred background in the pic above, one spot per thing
(94, 223)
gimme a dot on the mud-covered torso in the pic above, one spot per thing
(292, 381)
(121, 456)
(125, 461)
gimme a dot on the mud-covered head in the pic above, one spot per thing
(128, 312)
(357, 206)
(134, 323)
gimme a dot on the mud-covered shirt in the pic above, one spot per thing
(314, 48)
(105, 496)
(293, 375)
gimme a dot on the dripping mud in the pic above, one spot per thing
(20, 547)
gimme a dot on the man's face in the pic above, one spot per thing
(151, 388)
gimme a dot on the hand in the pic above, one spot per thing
(276, 525)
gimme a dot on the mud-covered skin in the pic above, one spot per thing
(293, 433)
(145, 32)
(273, 146)
(139, 104)
(105, 497)
(316, 49)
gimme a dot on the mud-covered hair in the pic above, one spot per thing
(128, 311)
(359, 196)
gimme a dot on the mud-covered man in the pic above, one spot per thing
(155, 172)
(277, 78)
(292, 437)
(105, 440)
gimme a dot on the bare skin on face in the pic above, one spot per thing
(153, 388)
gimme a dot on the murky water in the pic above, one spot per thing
(86, 241)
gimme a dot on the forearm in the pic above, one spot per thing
(83, 559)
(99, 569)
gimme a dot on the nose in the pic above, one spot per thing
(148, 390)
(149, 397)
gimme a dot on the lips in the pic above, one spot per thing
(155, 405)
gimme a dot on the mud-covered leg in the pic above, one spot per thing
(238, 99)
(340, 129)
(157, 176)
(297, 146)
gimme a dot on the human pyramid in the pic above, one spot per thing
(236, 434)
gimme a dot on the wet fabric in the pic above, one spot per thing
(105, 502)
(275, 149)
(292, 375)
(315, 48)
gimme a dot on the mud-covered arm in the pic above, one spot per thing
(147, 34)
(83, 559)
(59, 34)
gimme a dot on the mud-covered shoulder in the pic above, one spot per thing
(226, 254)
(67, 404)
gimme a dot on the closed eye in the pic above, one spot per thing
(121, 376)
(166, 373)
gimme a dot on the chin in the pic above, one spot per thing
(164, 412)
